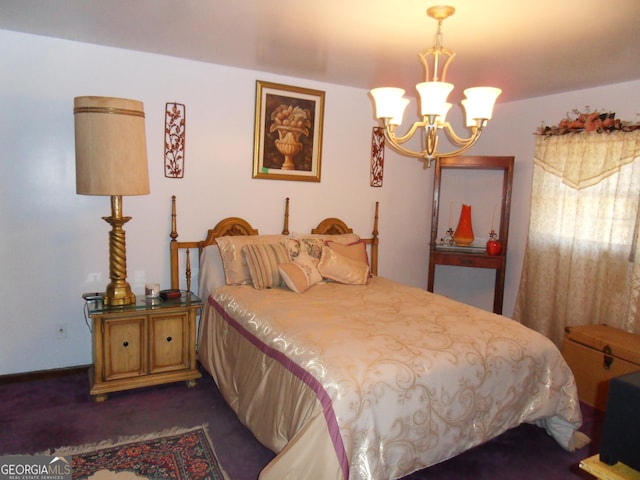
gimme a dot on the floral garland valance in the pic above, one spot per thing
(597, 122)
(584, 159)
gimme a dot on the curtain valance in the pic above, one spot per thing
(584, 159)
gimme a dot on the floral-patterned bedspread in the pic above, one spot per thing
(400, 378)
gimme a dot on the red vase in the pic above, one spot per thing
(464, 232)
(494, 247)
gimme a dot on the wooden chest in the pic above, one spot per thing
(597, 353)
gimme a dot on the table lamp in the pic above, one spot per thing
(111, 159)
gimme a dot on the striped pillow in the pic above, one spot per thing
(263, 261)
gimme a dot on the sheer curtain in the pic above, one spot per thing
(582, 264)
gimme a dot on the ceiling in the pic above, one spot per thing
(528, 48)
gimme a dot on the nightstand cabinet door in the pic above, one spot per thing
(124, 348)
(169, 335)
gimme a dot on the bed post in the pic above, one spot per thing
(374, 243)
(285, 228)
(174, 249)
(173, 246)
(187, 271)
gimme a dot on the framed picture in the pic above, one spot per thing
(288, 132)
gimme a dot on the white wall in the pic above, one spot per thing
(54, 244)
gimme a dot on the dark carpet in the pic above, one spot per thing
(43, 414)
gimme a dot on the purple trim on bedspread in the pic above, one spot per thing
(302, 374)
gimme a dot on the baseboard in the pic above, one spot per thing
(42, 374)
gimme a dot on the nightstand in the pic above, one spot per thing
(147, 343)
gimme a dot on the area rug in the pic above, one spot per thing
(176, 454)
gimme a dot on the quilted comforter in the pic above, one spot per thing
(380, 380)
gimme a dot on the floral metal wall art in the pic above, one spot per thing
(377, 156)
(174, 140)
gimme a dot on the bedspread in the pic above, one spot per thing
(378, 381)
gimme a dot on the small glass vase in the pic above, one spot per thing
(464, 232)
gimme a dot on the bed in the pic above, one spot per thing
(355, 376)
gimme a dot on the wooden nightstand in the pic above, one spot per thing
(147, 343)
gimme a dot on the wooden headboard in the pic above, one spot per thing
(239, 226)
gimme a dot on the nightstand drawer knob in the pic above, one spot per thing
(125, 344)
(169, 339)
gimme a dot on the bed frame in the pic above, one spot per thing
(239, 226)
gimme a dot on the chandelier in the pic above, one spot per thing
(478, 104)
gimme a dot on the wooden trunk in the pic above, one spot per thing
(597, 353)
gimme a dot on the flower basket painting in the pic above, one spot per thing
(288, 132)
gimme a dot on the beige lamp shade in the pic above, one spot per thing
(111, 146)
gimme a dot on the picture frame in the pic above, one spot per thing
(288, 132)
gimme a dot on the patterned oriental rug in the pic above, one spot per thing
(176, 454)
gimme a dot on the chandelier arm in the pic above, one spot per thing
(403, 138)
(464, 145)
(391, 138)
(427, 155)
(450, 56)
(457, 139)
(431, 139)
(431, 136)
(423, 59)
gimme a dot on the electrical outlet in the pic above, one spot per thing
(94, 278)
(61, 331)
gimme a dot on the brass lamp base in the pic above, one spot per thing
(118, 291)
(118, 295)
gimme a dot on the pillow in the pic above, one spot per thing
(356, 250)
(312, 243)
(343, 238)
(311, 247)
(295, 277)
(342, 269)
(263, 261)
(301, 274)
(310, 266)
(235, 266)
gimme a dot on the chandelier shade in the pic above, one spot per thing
(433, 96)
(479, 103)
(390, 103)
